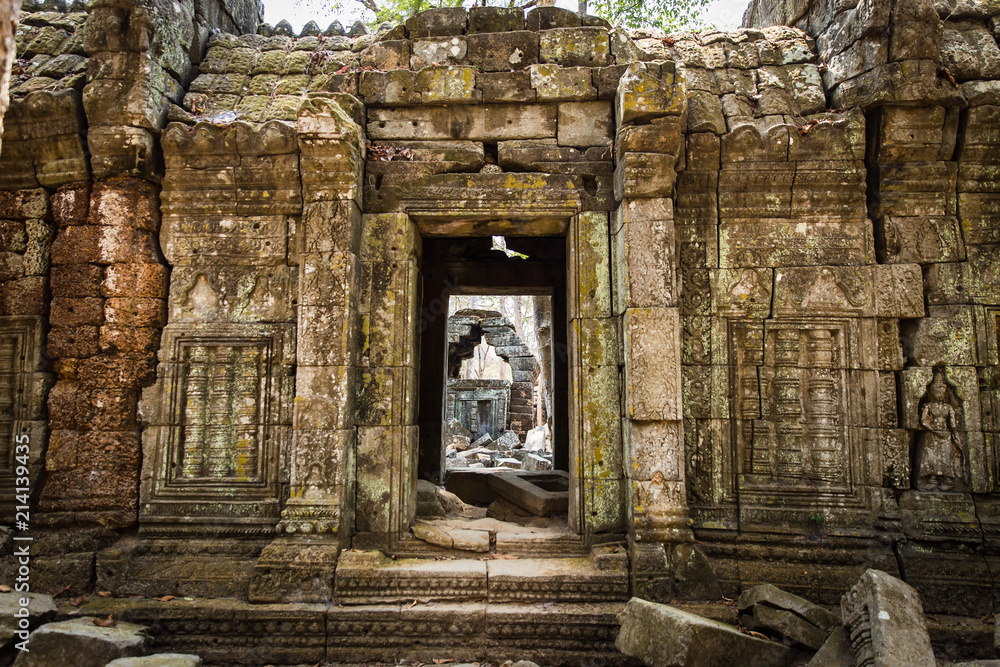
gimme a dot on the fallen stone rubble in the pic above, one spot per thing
(507, 451)
(880, 624)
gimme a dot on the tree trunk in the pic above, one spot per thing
(9, 9)
(583, 7)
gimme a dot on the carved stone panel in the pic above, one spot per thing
(23, 392)
(214, 445)
(796, 447)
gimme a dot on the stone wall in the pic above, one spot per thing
(781, 261)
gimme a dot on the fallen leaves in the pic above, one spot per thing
(77, 601)
(107, 622)
(5, 589)
(167, 598)
(106, 594)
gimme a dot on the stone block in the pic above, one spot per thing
(435, 22)
(445, 84)
(76, 312)
(136, 312)
(495, 19)
(386, 396)
(645, 175)
(647, 91)
(331, 226)
(82, 642)
(652, 364)
(759, 242)
(829, 290)
(969, 51)
(129, 339)
(643, 251)
(947, 336)
(328, 336)
(899, 291)
(489, 123)
(393, 310)
(135, 280)
(25, 296)
(387, 55)
(506, 86)
(73, 341)
(24, 204)
(662, 135)
(41, 609)
(562, 84)
(705, 113)
(595, 342)
(389, 237)
(589, 291)
(575, 47)
(597, 390)
(324, 398)
(914, 134)
(654, 447)
(920, 240)
(885, 622)
(585, 124)
(503, 51)
(659, 634)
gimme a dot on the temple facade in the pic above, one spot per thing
(226, 253)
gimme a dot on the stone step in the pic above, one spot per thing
(370, 577)
(229, 632)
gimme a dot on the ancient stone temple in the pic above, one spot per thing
(226, 255)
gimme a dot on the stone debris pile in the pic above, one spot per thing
(507, 451)
(881, 624)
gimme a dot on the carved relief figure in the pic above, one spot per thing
(940, 457)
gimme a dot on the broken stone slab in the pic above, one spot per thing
(452, 538)
(775, 597)
(507, 462)
(886, 622)
(835, 652)
(508, 440)
(81, 643)
(159, 660)
(661, 635)
(535, 439)
(482, 442)
(534, 462)
(40, 609)
(785, 626)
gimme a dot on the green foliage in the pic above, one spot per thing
(665, 15)
(818, 518)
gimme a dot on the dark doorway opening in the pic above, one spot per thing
(469, 266)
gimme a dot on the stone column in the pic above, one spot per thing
(595, 390)
(650, 108)
(299, 565)
(387, 376)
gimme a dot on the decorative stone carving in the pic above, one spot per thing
(24, 388)
(218, 419)
(940, 461)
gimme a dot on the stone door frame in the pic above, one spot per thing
(598, 488)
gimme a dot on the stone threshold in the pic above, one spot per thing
(370, 577)
(225, 631)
